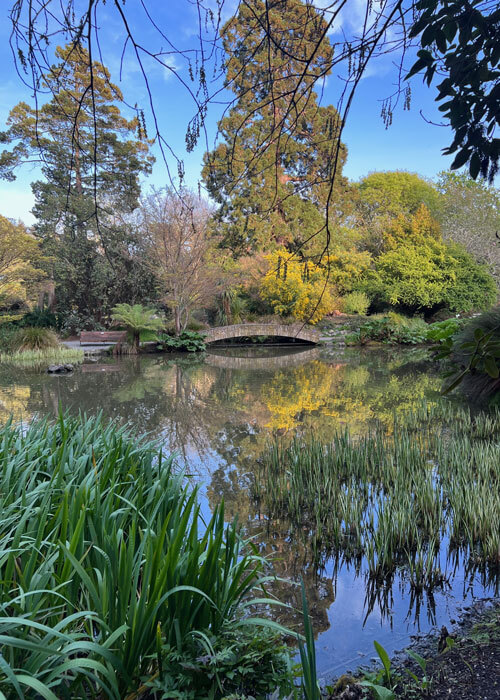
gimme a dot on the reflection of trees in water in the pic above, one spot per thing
(233, 413)
(14, 402)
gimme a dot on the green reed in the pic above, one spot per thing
(34, 358)
(391, 497)
(105, 562)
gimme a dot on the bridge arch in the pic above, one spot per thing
(294, 331)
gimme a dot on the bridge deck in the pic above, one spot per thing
(297, 331)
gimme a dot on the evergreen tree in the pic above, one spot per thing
(272, 171)
(91, 160)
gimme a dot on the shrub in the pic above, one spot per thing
(194, 325)
(473, 289)
(73, 323)
(7, 333)
(295, 288)
(107, 569)
(355, 303)
(442, 330)
(420, 271)
(137, 318)
(33, 339)
(187, 341)
(40, 318)
(392, 329)
(7, 319)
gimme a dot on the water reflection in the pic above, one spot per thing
(218, 412)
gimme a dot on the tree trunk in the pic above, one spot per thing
(137, 341)
(177, 320)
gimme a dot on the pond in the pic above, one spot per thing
(220, 411)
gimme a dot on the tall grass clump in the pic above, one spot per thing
(109, 578)
(27, 339)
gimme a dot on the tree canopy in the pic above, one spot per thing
(272, 171)
(91, 160)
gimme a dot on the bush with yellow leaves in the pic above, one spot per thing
(296, 288)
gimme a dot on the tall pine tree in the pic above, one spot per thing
(91, 158)
(272, 171)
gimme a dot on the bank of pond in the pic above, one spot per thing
(116, 582)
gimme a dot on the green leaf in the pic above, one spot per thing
(474, 165)
(491, 367)
(461, 158)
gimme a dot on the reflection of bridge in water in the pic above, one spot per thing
(294, 331)
(291, 359)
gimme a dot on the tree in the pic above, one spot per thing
(272, 172)
(20, 257)
(470, 215)
(420, 272)
(382, 197)
(91, 162)
(182, 251)
(137, 318)
(458, 42)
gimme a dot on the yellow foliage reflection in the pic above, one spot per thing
(14, 402)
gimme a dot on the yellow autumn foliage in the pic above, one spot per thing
(19, 255)
(296, 288)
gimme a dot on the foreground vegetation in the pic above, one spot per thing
(113, 585)
(110, 579)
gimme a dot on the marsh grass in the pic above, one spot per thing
(35, 358)
(390, 500)
(106, 564)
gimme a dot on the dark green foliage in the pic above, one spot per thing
(74, 322)
(475, 356)
(392, 329)
(240, 662)
(91, 162)
(7, 332)
(463, 43)
(473, 288)
(187, 341)
(40, 318)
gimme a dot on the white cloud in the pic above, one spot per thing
(172, 65)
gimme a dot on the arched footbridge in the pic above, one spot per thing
(294, 331)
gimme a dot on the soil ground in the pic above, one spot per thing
(467, 668)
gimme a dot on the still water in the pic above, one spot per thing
(219, 412)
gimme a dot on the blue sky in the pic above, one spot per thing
(411, 143)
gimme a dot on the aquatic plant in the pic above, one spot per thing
(105, 565)
(36, 358)
(391, 498)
